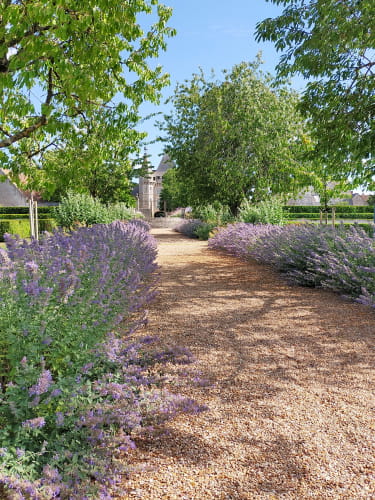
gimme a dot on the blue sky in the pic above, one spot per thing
(211, 34)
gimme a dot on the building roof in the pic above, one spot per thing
(165, 164)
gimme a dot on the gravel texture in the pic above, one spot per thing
(287, 374)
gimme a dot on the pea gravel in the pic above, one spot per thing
(287, 374)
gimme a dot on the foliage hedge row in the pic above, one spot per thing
(24, 210)
(23, 216)
(340, 215)
(347, 209)
(22, 227)
(15, 220)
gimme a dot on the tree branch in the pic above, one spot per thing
(34, 30)
(42, 120)
(26, 132)
(40, 150)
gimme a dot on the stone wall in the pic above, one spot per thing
(170, 222)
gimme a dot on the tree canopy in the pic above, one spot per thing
(93, 158)
(172, 193)
(235, 139)
(332, 43)
(62, 61)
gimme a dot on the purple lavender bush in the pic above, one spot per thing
(141, 223)
(73, 392)
(237, 239)
(341, 259)
(188, 227)
(347, 264)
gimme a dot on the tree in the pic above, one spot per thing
(235, 139)
(92, 158)
(332, 42)
(172, 193)
(61, 60)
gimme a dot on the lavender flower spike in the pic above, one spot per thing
(43, 384)
(34, 423)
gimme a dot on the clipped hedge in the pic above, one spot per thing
(18, 226)
(21, 227)
(25, 210)
(340, 215)
(349, 209)
(14, 216)
(23, 216)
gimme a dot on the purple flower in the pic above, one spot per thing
(31, 266)
(47, 341)
(87, 367)
(56, 392)
(59, 419)
(43, 384)
(34, 423)
(51, 474)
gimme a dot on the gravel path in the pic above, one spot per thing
(287, 374)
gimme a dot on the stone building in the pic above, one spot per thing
(150, 188)
(310, 198)
(10, 195)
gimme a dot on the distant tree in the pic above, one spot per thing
(61, 60)
(371, 199)
(172, 193)
(235, 139)
(332, 44)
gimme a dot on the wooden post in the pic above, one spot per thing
(321, 217)
(36, 221)
(333, 216)
(31, 217)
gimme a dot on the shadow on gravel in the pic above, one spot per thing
(245, 310)
(192, 449)
(249, 329)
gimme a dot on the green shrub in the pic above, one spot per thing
(119, 211)
(83, 210)
(203, 230)
(80, 210)
(266, 212)
(215, 214)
